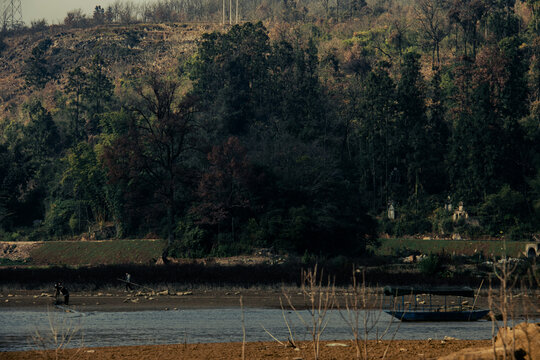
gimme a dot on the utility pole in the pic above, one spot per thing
(223, 21)
(230, 12)
(11, 14)
(237, 11)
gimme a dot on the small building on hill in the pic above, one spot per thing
(532, 249)
(460, 213)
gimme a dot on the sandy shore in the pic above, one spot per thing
(342, 350)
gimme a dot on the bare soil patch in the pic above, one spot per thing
(19, 250)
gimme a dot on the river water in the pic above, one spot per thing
(27, 330)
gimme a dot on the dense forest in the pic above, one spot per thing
(294, 126)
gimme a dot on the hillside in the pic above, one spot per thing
(306, 134)
(122, 46)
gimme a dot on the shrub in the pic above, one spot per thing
(38, 25)
(3, 45)
(404, 251)
(430, 265)
(442, 221)
(412, 225)
(310, 259)
(226, 249)
(340, 262)
(258, 233)
(503, 210)
(467, 229)
(57, 219)
(519, 232)
(191, 241)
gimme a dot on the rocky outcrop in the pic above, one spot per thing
(521, 342)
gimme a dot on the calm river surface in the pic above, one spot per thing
(25, 330)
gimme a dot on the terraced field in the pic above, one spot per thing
(488, 248)
(105, 252)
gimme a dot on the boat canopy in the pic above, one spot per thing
(445, 291)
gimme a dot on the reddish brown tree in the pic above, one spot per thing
(224, 188)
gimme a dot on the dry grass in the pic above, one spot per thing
(362, 313)
(319, 298)
(512, 298)
(60, 333)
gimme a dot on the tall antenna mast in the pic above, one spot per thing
(11, 14)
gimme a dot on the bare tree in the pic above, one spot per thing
(431, 16)
(127, 13)
(319, 300)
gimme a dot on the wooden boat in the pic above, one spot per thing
(422, 311)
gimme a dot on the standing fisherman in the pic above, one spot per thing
(60, 289)
(128, 282)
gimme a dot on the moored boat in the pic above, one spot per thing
(427, 311)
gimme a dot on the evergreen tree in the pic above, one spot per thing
(37, 70)
(76, 86)
(412, 132)
(375, 132)
(98, 92)
(230, 73)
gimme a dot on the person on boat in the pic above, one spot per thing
(60, 289)
(128, 282)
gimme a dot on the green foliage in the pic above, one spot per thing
(77, 79)
(190, 241)
(3, 45)
(407, 223)
(442, 221)
(430, 265)
(503, 211)
(501, 23)
(97, 92)
(402, 247)
(84, 179)
(230, 71)
(412, 225)
(37, 70)
(226, 246)
(41, 133)
(57, 221)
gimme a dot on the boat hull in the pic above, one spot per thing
(438, 315)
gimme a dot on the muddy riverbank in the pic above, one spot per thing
(343, 350)
(198, 298)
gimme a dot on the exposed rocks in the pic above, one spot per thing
(521, 342)
(16, 251)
